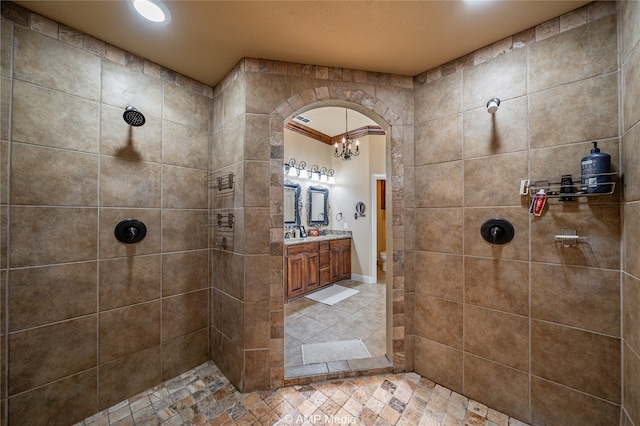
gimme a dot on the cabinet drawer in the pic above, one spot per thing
(302, 248)
(324, 259)
(345, 242)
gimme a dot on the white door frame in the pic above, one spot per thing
(375, 177)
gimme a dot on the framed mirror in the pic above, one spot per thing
(291, 204)
(318, 206)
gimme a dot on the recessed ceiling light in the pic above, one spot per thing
(154, 11)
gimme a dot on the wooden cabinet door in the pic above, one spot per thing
(340, 263)
(296, 275)
(312, 277)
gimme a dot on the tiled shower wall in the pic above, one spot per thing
(91, 321)
(629, 48)
(530, 328)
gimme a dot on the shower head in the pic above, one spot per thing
(133, 117)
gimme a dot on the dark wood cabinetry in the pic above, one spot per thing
(340, 259)
(310, 266)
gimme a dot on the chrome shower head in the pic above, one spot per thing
(133, 117)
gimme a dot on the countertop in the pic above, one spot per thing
(327, 237)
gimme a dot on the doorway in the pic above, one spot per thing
(362, 316)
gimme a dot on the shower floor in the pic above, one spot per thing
(203, 396)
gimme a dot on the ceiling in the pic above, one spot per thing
(206, 39)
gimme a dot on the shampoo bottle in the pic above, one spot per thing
(592, 168)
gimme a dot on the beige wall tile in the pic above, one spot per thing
(256, 147)
(439, 140)
(482, 83)
(584, 52)
(256, 376)
(230, 146)
(631, 391)
(400, 100)
(126, 86)
(53, 177)
(629, 29)
(4, 254)
(494, 180)
(257, 325)
(111, 247)
(439, 185)
(234, 99)
(229, 270)
(184, 314)
(631, 84)
(227, 198)
(553, 404)
(266, 91)
(497, 284)
(233, 362)
(502, 388)
(44, 117)
(439, 320)
(256, 187)
(184, 188)
(439, 99)
(581, 297)
(128, 376)
(439, 230)
(497, 336)
(439, 363)
(50, 63)
(630, 171)
(599, 223)
(581, 111)
(579, 359)
(184, 272)
(631, 242)
(439, 275)
(46, 235)
(52, 293)
(129, 280)
(505, 131)
(475, 245)
(256, 282)
(5, 106)
(256, 235)
(630, 310)
(6, 47)
(118, 139)
(74, 397)
(184, 230)
(41, 355)
(232, 316)
(184, 145)
(185, 107)
(127, 183)
(142, 330)
(183, 353)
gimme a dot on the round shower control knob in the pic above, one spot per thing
(130, 231)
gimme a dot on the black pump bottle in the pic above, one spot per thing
(594, 169)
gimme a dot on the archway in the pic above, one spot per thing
(386, 118)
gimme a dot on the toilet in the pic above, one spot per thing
(383, 258)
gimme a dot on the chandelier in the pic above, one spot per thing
(347, 143)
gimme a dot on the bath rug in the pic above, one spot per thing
(332, 295)
(334, 351)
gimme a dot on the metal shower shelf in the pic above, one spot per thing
(554, 189)
(221, 182)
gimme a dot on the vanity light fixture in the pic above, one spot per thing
(347, 142)
(314, 173)
(152, 10)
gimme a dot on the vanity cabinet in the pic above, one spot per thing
(312, 265)
(340, 259)
(303, 273)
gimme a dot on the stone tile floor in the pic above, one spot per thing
(203, 396)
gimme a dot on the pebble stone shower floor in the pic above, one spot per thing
(203, 396)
